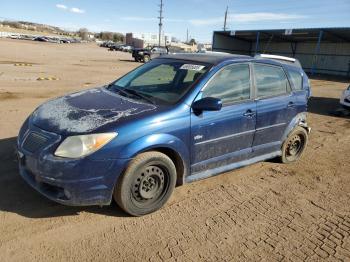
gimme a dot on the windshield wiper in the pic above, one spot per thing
(138, 94)
(127, 92)
(121, 90)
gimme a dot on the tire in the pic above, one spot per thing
(147, 184)
(146, 58)
(294, 146)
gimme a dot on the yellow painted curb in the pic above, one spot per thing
(47, 78)
(22, 64)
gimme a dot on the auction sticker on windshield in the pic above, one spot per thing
(192, 67)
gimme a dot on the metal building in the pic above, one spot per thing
(320, 50)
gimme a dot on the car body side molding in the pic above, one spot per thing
(222, 169)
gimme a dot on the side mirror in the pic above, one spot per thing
(207, 104)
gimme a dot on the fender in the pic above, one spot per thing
(298, 120)
(153, 141)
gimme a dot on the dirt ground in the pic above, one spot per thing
(267, 211)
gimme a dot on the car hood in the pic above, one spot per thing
(88, 111)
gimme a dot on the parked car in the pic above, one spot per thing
(107, 44)
(177, 119)
(120, 47)
(41, 39)
(65, 41)
(345, 98)
(115, 47)
(126, 48)
(148, 53)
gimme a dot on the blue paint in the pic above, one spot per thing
(207, 142)
(225, 168)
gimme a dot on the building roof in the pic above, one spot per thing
(210, 57)
(334, 34)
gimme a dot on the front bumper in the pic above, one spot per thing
(96, 190)
(76, 182)
(345, 99)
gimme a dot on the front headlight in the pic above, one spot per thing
(79, 146)
(140, 53)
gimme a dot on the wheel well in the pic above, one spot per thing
(176, 158)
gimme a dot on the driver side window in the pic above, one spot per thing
(231, 84)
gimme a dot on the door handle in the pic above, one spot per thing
(249, 113)
(291, 104)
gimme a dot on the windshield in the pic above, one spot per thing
(161, 81)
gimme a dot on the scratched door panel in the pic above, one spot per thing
(222, 136)
(273, 116)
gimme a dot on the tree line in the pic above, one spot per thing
(84, 34)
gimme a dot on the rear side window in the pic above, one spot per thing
(231, 84)
(270, 80)
(297, 79)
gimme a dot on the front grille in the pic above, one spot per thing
(34, 141)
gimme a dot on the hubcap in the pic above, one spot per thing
(294, 146)
(149, 184)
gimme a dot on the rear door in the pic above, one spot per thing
(275, 104)
(225, 136)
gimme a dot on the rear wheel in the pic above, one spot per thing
(147, 184)
(294, 146)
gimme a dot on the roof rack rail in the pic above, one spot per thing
(289, 60)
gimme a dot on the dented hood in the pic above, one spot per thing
(88, 111)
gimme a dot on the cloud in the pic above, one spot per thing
(72, 10)
(248, 18)
(60, 6)
(77, 10)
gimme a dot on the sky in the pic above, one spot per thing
(200, 17)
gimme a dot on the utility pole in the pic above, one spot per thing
(160, 21)
(225, 21)
(187, 36)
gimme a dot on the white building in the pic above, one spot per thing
(153, 38)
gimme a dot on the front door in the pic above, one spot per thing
(225, 136)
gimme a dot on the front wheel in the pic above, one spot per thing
(295, 144)
(147, 184)
(146, 58)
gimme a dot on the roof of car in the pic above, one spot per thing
(215, 58)
(211, 58)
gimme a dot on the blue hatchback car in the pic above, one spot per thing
(175, 119)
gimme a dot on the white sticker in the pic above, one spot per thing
(192, 67)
